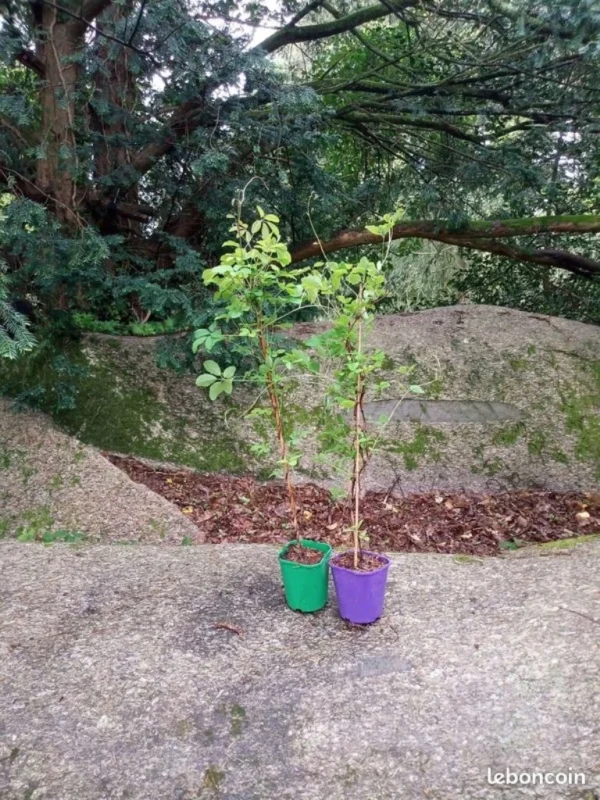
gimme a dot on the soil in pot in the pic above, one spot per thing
(300, 554)
(367, 562)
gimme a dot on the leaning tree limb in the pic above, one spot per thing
(482, 235)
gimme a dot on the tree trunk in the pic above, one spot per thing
(57, 171)
(115, 87)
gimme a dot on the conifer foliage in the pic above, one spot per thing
(131, 124)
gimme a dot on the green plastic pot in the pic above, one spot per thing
(306, 585)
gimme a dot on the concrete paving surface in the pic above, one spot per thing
(178, 673)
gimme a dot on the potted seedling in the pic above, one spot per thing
(354, 291)
(259, 289)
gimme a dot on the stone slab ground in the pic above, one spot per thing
(147, 673)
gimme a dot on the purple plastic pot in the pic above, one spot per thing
(360, 595)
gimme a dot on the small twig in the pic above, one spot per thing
(227, 626)
(581, 614)
(397, 480)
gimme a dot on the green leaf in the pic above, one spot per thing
(509, 544)
(212, 367)
(227, 386)
(229, 372)
(205, 380)
(215, 390)
(416, 389)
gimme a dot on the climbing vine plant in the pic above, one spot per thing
(259, 291)
(351, 293)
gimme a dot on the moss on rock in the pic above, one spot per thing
(582, 414)
(122, 402)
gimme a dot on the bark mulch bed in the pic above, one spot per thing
(241, 509)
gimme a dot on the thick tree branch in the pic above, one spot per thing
(480, 235)
(292, 34)
(189, 116)
(31, 61)
(312, 6)
(93, 8)
(410, 122)
(560, 259)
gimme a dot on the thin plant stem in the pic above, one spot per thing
(275, 406)
(357, 431)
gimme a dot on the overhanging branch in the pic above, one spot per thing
(484, 236)
(293, 34)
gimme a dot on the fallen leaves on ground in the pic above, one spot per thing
(241, 509)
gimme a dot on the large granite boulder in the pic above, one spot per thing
(512, 400)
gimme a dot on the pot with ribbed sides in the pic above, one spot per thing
(306, 586)
(360, 592)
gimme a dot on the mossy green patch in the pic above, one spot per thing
(517, 364)
(424, 444)
(508, 434)
(537, 441)
(34, 523)
(114, 407)
(435, 388)
(559, 456)
(238, 717)
(493, 466)
(56, 482)
(565, 544)
(581, 406)
(213, 778)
